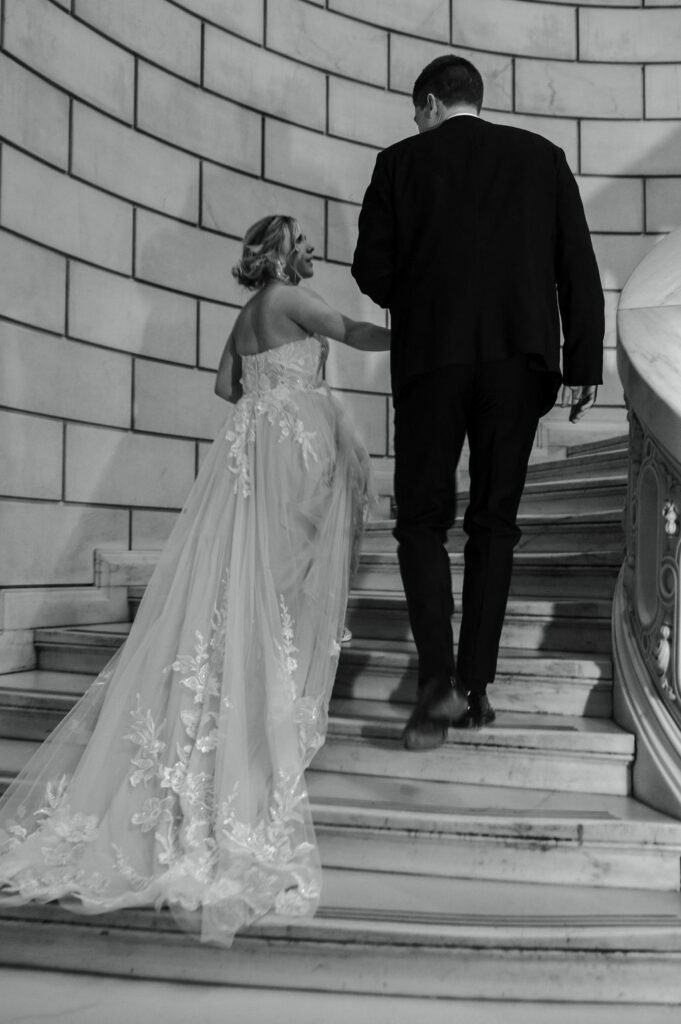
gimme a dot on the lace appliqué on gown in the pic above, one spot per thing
(178, 778)
(271, 381)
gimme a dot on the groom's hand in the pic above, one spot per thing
(580, 399)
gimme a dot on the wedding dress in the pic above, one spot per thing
(178, 778)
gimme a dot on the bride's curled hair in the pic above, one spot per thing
(264, 252)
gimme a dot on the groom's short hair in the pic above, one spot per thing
(452, 80)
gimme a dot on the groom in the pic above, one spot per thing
(473, 235)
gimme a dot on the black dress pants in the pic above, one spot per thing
(498, 405)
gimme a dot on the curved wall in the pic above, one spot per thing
(141, 137)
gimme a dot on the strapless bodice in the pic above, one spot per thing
(294, 366)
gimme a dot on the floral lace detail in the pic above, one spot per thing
(287, 663)
(270, 382)
(64, 835)
(182, 783)
(272, 840)
(308, 716)
(145, 735)
(307, 711)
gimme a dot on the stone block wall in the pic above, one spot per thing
(139, 139)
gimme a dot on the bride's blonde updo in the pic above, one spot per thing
(265, 251)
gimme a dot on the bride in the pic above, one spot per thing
(178, 778)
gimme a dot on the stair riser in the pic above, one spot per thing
(610, 466)
(541, 538)
(524, 769)
(63, 658)
(543, 499)
(566, 485)
(535, 635)
(442, 972)
(21, 724)
(542, 541)
(548, 583)
(558, 697)
(506, 859)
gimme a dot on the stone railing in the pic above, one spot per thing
(647, 606)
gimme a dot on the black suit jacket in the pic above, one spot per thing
(473, 235)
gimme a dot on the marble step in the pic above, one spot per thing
(32, 715)
(566, 494)
(618, 443)
(33, 702)
(14, 753)
(557, 683)
(566, 484)
(600, 426)
(530, 751)
(469, 829)
(394, 935)
(569, 536)
(71, 996)
(482, 832)
(465, 829)
(530, 624)
(602, 465)
(523, 751)
(569, 625)
(579, 499)
(533, 575)
(584, 538)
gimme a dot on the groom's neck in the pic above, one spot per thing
(459, 108)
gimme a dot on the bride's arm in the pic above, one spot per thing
(314, 315)
(228, 379)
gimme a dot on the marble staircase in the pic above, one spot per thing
(511, 866)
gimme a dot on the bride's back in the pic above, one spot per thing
(264, 323)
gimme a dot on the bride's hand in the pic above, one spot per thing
(580, 398)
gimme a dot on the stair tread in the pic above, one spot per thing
(568, 607)
(528, 731)
(616, 441)
(398, 652)
(377, 907)
(611, 455)
(511, 729)
(14, 754)
(477, 905)
(46, 682)
(470, 801)
(401, 653)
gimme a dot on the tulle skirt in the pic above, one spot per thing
(178, 778)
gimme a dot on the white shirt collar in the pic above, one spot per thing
(459, 113)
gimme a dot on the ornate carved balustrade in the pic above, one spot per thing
(647, 605)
